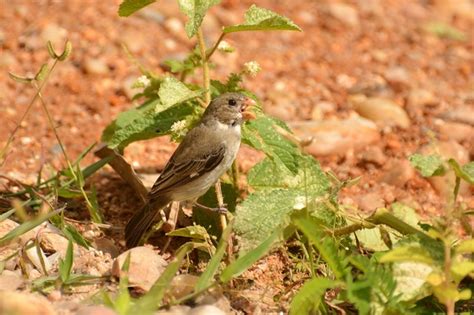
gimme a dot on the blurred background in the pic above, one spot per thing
(371, 81)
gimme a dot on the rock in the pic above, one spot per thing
(151, 14)
(53, 242)
(175, 26)
(95, 66)
(107, 245)
(24, 304)
(182, 285)
(56, 34)
(175, 310)
(458, 132)
(397, 173)
(95, 310)
(420, 98)
(206, 310)
(344, 13)
(6, 226)
(146, 267)
(10, 281)
(373, 155)
(337, 136)
(444, 185)
(463, 114)
(398, 77)
(380, 110)
(370, 201)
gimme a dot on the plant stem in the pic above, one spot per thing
(205, 66)
(381, 216)
(207, 84)
(17, 127)
(94, 215)
(447, 276)
(213, 49)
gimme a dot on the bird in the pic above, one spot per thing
(205, 154)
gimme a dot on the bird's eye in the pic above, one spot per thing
(232, 102)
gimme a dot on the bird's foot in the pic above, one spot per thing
(221, 210)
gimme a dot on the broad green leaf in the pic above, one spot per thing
(325, 245)
(208, 275)
(280, 193)
(195, 10)
(143, 123)
(172, 92)
(244, 262)
(461, 269)
(65, 266)
(25, 227)
(260, 19)
(428, 165)
(310, 295)
(153, 299)
(411, 280)
(408, 253)
(262, 135)
(465, 247)
(192, 231)
(465, 172)
(128, 7)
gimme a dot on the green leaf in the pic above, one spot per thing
(408, 253)
(143, 123)
(173, 91)
(25, 227)
(43, 71)
(325, 245)
(279, 193)
(261, 134)
(310, 295)
(428, 165)
(208, 275)
(122, 302)
(461, 269)
(244, 262)
(192, 231)
(65, 266)
(411, 280)
(465, 247)
(74, 235)
(19, 79)
(93, 207)
(260, 19)
(195, 10)
(128, 7)
(153, 299)
(466, 172)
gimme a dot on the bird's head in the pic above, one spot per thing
(230, 109)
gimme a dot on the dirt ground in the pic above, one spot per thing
(377, 48)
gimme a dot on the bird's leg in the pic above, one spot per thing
(221, 209)
(170, 223)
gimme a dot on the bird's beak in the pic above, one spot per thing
(246, 109)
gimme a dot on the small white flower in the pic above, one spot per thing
(142, 82)
(225, 47)
(300, 203)
(179, 128)
(252, 68)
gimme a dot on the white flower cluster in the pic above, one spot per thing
(179, 128)
(252, 68)
(142, 82)
(225, 47)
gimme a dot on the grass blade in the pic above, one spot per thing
(208, 275)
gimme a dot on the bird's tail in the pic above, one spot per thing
(140, 223)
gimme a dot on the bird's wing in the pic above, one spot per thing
(187, 165)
